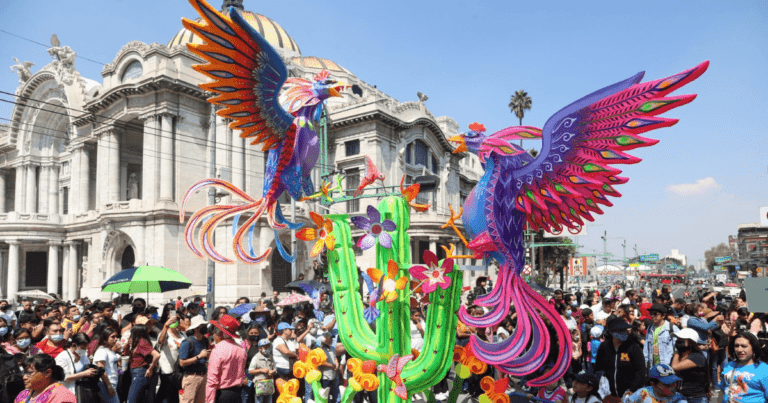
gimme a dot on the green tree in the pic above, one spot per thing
(518, 104)
(718, 251)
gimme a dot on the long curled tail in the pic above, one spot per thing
(208, 218)
(510, 356)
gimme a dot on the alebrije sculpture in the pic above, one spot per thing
(401, 372)
(560, 188)
(247, 75)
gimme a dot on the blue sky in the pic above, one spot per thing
(469, 57)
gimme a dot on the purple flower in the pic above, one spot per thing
(375, 229)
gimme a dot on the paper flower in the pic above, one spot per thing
(389, 285)
(322, 234)
(287, 391)
(495, 391)
(363, 375)
(308, 363)
(467, 362)
(433, 275)
(410, 194)
(374, 228)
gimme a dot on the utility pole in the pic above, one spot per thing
(605, 249)
(210, 265)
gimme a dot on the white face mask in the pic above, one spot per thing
(82, 352)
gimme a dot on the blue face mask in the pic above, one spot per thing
(574, 303)
(23, 343)
(56, 338)
(155, 316)
(76, 318)
(3, 330)
(623, 336)
(568, 312)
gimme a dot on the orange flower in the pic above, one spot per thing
(321, 233)
(467, 362)
(308, 363)
(287, 391)
(411, 194)
(389, 286)
(495, 391)
(363, 375)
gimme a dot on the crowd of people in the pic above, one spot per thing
(627, 346)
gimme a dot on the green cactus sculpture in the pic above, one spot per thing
(392, 336)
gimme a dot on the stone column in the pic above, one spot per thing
(74, 180)
(113, 168)
(73, 273)
(13, 269)
(85, 178)
(433, 244)
(87, 263)
(31, 196)
(42, 194)
(19, 196)
(3, 273)
(238, 160)
(65, 271)
(149, 159)
(2, 195)
(53, 267)
(53, 190)
(166, 158)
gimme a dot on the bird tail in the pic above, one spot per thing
(208, 219)
(359, 191)
(510, 356)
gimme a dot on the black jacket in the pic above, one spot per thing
(624, 369)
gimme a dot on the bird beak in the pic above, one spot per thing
(335, 91)
(462, 144)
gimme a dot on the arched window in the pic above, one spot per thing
(421, 154)
(134, 70)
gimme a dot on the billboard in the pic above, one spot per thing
(578, 266)
(764, 216)
(723, 259)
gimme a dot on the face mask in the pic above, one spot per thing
(76, 318)
(56, 338)
(23, 343)
(623, 336)
(3, 308)
(574, 303)
(681, 346)
(313, 331)
(82, 352)
(155, 316)
(3, 330)
(266, 351)
(253, 337)
(568, 312)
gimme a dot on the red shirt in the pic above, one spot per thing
(142, 355)
(52, 351)
(179, 303)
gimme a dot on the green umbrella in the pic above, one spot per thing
(146, 279)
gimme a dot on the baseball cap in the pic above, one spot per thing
(618, 325)
(664, 373)
(596, 331)
(687, 333)
(588, 378)
(264, 342)
(283, 325)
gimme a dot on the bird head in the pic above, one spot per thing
(470, 141)
(325, 87)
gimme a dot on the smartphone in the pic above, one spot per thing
(69, 325)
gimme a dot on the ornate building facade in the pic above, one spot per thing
(92, 173)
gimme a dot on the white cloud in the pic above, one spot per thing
(701, 187)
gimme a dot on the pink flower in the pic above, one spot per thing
(432, 275)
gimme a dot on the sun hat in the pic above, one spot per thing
(664, 373)
(196, 321)
(688, 334)
(227, 324)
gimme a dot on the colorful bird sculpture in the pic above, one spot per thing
(247, 75)
(374, 295)
(393, 370)
(372, 174)
(559, 188)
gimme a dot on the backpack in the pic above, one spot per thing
(11, 381)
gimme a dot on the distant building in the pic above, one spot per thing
(675, 254)
(752, 244)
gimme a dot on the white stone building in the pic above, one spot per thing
(675, 254)
(92, 171)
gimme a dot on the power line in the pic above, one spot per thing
(47, 46)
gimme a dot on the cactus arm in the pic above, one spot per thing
(439, 338)
(354, 332)
(429, 396)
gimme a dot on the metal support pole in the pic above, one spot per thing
(294, 274)
(210, 265)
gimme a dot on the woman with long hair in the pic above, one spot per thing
(691, 366)
(42, 379)
(745, 379)
(106, 357)
(143, 360)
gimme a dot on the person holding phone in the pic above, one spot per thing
(193, 357)
(169, 341)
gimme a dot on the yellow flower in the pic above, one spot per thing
(308, 363)
(389, 286)
(321, 233)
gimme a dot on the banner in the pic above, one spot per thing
(578, 266)
(723, 259)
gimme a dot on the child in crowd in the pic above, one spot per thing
(585, 388)
(553, 392)
(596, 337)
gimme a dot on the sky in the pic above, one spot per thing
(708, 174)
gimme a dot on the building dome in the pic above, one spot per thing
(269, 29)
(312, 62)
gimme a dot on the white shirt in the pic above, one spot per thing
(570, 322)
(281, 360)
(417, 340)
(169, 352)
(110, 359)
(601, 315)
(66, 360)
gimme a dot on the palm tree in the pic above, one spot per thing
(520, 103)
